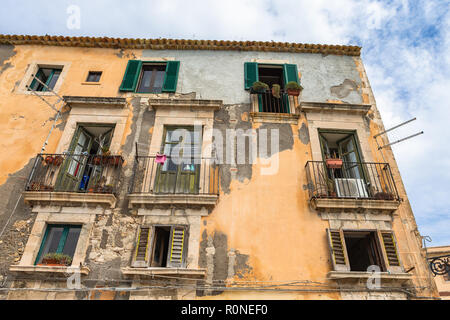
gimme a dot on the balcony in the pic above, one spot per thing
(267, 107)
(176, 181)
(353, 186)
(68, 179)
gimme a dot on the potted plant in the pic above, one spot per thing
(105, 151)
(57, 160)
(259, 87)
(108, 188)
(115, 160)
(293, 88)
(384, 196)
(48, 159)
(276, 90)
(96, 160)
(56, 259)
(334, 163)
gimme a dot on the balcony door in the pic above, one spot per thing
(180, 173)
(80, 170)
(349, 180)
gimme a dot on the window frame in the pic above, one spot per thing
(380, 244)
(150, 246)
(47, 81)
(62, 240)
(100, 73)
(153, 77)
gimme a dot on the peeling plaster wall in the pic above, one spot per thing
(262, 228)
(223, 79)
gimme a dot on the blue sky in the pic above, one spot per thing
(406, 52)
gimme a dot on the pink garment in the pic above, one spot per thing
(160, 158)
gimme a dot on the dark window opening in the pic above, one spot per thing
(94, 76)
(161, 246)
(363, 250)
(59, 239)
(270, 75)
(151, 78)
(48, 76)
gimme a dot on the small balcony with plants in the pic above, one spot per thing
(68, 179)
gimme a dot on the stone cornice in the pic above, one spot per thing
(336, 107)
(187, 103)
(95, 101)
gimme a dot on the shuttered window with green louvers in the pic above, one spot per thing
(133, 75)
(171, 76)
(250, 74)
(290, 73)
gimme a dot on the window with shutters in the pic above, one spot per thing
(160, 246)
(150, 76)
(355, 250)
(271, 74)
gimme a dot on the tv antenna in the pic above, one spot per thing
(400, 140)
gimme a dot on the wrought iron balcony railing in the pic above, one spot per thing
(352, 180)
(269, 103)
(440, 265)
(175, 176)
(75, 173)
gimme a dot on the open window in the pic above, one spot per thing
(83, 166)
(160, 246)
(350, 178)
(150, 76)
(356, 250)
(47, 75)
(61, 239)
(271, 74)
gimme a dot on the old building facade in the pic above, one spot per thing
(254, 208)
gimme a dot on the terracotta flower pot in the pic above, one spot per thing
(58, 160)
(293, 92)
(115, 160)
(334, 163)
(48, 159)
(97, 160)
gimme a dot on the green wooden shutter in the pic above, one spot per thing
(141, 255)
(131, 76)
(176, 247)
(250, 74)
(171, 76)
(338, 250)
(290, 73)
(390, 248)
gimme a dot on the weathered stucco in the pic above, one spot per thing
(262, 229)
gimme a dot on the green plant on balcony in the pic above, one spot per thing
(59, 259)
(259, 87)
(293, 88)
(105, 151)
